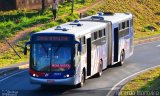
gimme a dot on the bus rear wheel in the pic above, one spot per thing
(121, 59)
(99, 74)
(81, 84)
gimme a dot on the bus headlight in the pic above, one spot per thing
(34, 75)
(67, 76)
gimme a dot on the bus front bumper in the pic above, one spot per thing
(66, 81)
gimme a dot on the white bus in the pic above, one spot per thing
(72, 52)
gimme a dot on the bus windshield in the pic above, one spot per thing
(48, 57)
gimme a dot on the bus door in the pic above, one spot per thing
(116, 44)
(89, 57)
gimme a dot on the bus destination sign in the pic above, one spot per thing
(52, 38)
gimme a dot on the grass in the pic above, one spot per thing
(146, 13)
(13, 21)
(9, 57)
(146, 82)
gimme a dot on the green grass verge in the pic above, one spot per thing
(13, 21)
(146, 14)
(8, 57)
(146, 83)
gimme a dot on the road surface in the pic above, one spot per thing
(145, 56)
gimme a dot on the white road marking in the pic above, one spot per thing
(12, 75)
(158, 46)
(114, 87)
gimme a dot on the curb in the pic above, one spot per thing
(8, 70)
(147, 39)
(5, 71)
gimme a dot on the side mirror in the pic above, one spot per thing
(79, 46)
(25, 48)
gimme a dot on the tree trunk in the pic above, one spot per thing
(68, 0)
(43, 5)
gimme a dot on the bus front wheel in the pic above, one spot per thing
(82, 79)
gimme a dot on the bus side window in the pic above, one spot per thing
(84, 40)
(123, 25)
(127, 23)
(120, 26)
(92, 36)
(100, 33)
(131, 22)
(104, 32)
(95, 35)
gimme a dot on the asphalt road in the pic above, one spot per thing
(145, 56)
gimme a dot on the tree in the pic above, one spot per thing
(43, 5)
(72, 6)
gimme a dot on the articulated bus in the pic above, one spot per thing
(70, 53)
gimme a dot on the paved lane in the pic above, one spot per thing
(145, 56)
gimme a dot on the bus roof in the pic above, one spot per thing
(74, 28)
(84, 26)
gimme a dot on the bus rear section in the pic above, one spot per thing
(125, 37)
(51, 59)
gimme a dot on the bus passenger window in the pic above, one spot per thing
(92, 36)
(95, 35)
(120, 26)
(104, 32)
(127, 23)
(100, 33)
(84, 40)
(123, 25)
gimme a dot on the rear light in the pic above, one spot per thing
(35, 73)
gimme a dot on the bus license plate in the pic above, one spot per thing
(50, 81)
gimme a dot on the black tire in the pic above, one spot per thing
(99, 74)
(81, 84)
(44, 86)
(122, 57)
